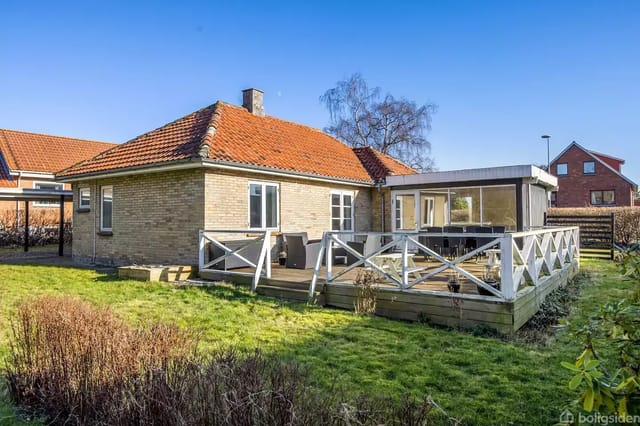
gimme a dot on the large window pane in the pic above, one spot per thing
(255, 206)
(465, 206)
(499, 206)
(405, 210)
(107, 208)
(271, 206)
(433, 208)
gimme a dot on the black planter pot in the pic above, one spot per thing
(454, 287)
(282, 261)
(482, 291)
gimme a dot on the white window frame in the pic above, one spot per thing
(584, 164)
(432, 201)
(566, 173)
(80, 191)
(342, 193)
(263, 203)
(102, 189)
(51, 204)
(416, 209)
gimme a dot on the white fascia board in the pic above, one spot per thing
(474, 175)
(36, 175)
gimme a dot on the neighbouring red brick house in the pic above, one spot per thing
(587, 178)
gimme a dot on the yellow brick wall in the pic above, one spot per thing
(157, 216)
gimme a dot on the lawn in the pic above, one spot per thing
(481, 380)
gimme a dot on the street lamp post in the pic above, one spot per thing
(547, 137)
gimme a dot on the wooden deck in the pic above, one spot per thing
(282, 274)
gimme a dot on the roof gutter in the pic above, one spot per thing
(209, 164)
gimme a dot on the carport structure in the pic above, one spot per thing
(27, 195)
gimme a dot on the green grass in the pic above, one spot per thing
(479, 380)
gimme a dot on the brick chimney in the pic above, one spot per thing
(252, 101)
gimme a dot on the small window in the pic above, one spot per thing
(106, 208)
(589, 168)
(342, 211)
(562, 169)
(47, 186)
(263, 205)
(603, 198)
(84, 198)
(554, 199)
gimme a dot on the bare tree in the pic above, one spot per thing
(360, 116)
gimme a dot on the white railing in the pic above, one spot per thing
(525, 256)
(261, 267)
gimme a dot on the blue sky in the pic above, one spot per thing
(501, 72)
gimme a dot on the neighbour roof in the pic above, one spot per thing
(380, 165)
(36, 152)
(228, 134)
(599, 154)
(5, 177)
(596, 156)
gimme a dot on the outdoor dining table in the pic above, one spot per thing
(392, 264)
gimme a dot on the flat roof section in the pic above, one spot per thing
(529, 171)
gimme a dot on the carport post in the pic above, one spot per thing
(26, 225)
(61, 231)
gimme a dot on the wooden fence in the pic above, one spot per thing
(596, 232)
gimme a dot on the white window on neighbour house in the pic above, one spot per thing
(47, 186)
(342, 211)
(264, 205)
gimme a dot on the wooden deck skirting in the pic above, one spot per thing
(434, 305)
(539, 262)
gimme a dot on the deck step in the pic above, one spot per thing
(287, 293)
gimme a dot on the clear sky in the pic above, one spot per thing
(502, 72)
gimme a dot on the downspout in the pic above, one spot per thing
(382, 210)
(18, 202)
(95, 221)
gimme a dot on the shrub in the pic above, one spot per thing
(366, 292)
(43, 227)
(75, 364)
(612, 337)
(627, 228)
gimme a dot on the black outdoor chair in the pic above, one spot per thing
(483, 240)
(499, 229)
(435, 243)
(453, 244)
(301, 253)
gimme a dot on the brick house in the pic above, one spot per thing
(224, 167)
(30, 160)
(588, 178)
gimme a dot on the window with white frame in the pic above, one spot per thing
(84, 198)
(562, 169)
(47, 186)
(263, 205)
(106, 208)
(342, 211)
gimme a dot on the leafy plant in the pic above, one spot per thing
(611, 338)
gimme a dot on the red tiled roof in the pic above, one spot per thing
(226, 133)
(36, 152)
(381, 165)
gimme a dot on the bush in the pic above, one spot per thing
(75, 364)
(612, 338)
(366, 292)
(627, 229)
(43, 227)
